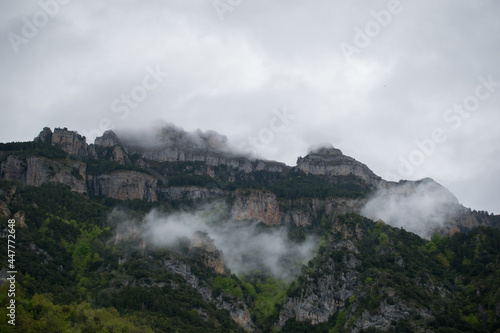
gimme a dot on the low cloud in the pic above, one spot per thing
(168, 135)
(419, 207)
(247, 246)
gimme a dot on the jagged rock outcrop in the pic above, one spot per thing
(45, 136)
(35, 171)
(41, 170)
(170, 145)
(124, 185)
(202, 246)
(422, 207)
(465, 219)
(321, 298)
(210, 158)
(108, 139)
(189, 193)
(386, 315)
(173, 144)
(20, 218)
(329, 161)
(69, 141)
(302, 212)
(4, 209)
(261, 206)
(6, 195)
(238, 310)
(14, 168)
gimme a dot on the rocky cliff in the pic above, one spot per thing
(35, 171)
(329, 161)
(201, 167)
(70, 141)
(237, 308)
(261, 206)
(124, 185)
(335, 285)
(362, 275)
(202, 246)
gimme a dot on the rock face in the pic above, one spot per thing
(386, 315)
(124, 185)
(45, 136)
(36, 171)
(202, 246)
(70, 141)
(261, 206)
(419, 206)
(210, 158)
(238, 310)
(207, 154)
(14, 168)
(189, 193)
(108, 139)
(321, 297)
(329, 161)
(41, 170)
(332, 285)
(303, 212)
(319, 301)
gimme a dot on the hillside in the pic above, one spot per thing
(174, 231)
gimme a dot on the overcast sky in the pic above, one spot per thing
(369, 79)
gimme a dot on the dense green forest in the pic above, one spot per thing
(71, 277)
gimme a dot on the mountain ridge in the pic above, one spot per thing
(144, 170)
(212, 239)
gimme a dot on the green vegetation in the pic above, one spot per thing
(40, 314)
(71, 279)
(400, 266)
(286, 185)
(300, 185)
(98, 167)
(25, 149)
(75, 276)
(227, 284)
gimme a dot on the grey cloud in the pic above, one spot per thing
(229, 75)
(246, 246)
(416, 206)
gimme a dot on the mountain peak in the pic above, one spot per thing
(325, 149)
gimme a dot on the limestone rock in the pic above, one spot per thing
(69, 141)
(261, 206)
(124, 185)
(41, 170)
(328, 161)
(45, 136)
(203, 247)
(108, 139)
(238, 310)
(320, 298)
(21, 219)
(14, 168)
(189, 193)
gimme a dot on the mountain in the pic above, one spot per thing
(173, 230)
